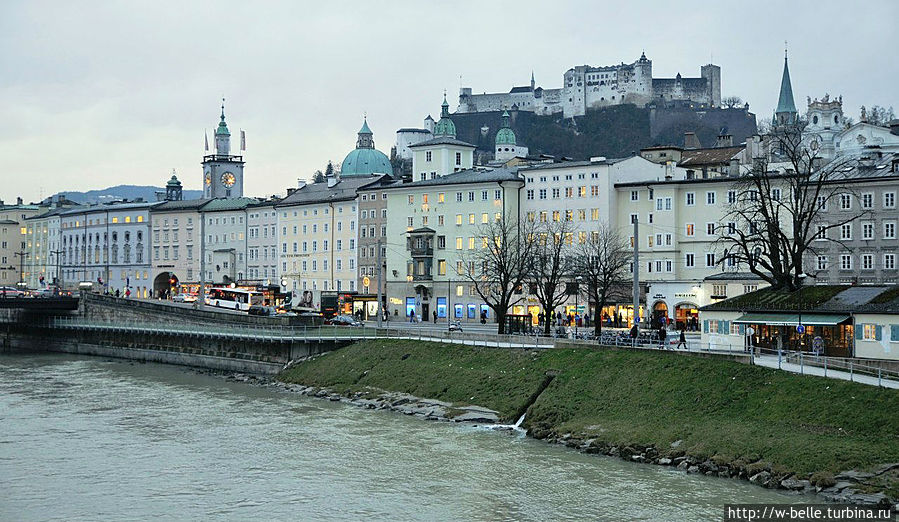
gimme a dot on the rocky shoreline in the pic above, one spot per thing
(852, 487)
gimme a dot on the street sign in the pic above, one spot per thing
(800, 328)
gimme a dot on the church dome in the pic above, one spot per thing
(365, 159)
(505, 136)
(445, 127)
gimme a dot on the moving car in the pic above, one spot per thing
(261, 310)
(184, 298)
(8, 291)
(344, 320)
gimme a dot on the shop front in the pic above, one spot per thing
(821, 334)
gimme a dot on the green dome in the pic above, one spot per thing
(445, 127)
(365, 159)
(505, 137)
(363, 162)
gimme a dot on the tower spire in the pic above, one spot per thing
(786, 108)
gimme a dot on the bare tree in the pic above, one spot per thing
(602, 263)
(878, 115)
(551, 265)
(498, 265)
(732, 102)
(775, 215)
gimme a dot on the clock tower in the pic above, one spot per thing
(222, 171)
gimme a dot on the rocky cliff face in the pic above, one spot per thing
(615, 132)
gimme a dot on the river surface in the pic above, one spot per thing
(95, 439)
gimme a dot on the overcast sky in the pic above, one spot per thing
(94, 94)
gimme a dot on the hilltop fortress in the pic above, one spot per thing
(586, 87)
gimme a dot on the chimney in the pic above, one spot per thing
(894, 127)
(291, 190)
(691, 141)
(733, 168)
(668, 171)
(18, 201)
(725, 140)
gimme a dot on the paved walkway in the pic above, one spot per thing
(770, 361)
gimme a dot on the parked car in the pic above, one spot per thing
(184, 298)
(344, 320)
(8, 291)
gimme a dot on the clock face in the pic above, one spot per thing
(207, 178)
(228, 179)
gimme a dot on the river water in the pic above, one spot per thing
(95, 439)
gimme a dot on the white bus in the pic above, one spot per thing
(233, 298)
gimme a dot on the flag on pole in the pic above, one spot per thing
(243, 140)
(206, 137)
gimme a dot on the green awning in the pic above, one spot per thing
(792, 319)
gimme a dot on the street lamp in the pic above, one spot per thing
(799, 328)
(577, 292)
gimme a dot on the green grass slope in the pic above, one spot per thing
(717, 408)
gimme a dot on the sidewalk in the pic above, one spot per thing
(770, 361)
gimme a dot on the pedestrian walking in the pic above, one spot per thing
(663, 334)
(434, 313)
(634, 333)
(682, 340)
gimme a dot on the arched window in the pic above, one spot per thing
(815, 120)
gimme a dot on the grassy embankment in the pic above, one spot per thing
(719, 409)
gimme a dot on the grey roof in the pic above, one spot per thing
(186, 204)
(526, 88)
(443, 140)
(109, 207)
(733, 276)
(566, 164)
(52, 212)
(464, 177)
(412, 129)
(224, 204)
(344, 190)
(863, 167)
(8, 222)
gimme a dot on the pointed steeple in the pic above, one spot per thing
(365, 141)
(444, 107)
(533, 83)
(445, 127)
(786, 108)
(222, 129)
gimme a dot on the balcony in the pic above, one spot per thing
(423, 251)
(423, 277)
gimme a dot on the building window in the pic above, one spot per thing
(731, 197)
(690, 229)
(428, 156)
(710, 198)
(691, 199)
(845, 202)
(845, 262)
(719, 291)
(869, 332)
(497, 195)
(867, 261)
(889, 230)
(868, 200)
(710, 229)
(458, 158)
(635, 195)
(889, 200)
(867, 230)
(889, 261)
(689, 261)
(710, 259)
(846, 231)
(530, 193)
(411, 199)
(822, 262)
(667, 203)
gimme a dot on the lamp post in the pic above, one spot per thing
(577, 291)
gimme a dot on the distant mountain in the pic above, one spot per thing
(120, 192)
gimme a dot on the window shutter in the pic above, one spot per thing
(726, 327)
(720, 327)
(878, 332)
(859, 328)
(705, 326)
(741, 329)
(894, 332)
